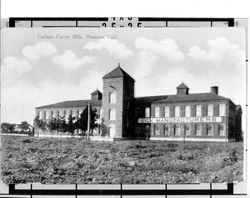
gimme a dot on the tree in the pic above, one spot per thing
(39, 123)
(54, 124)
(82, 122)
(24, 125)
(7, 127)
(71, 124)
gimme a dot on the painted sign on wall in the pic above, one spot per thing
(180, 120)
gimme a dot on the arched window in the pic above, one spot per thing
(197, 130)
(186, 129)
(111, 131)
(156, 130)
(178, 130)
(221, 129)
(112, 97)
(209, 129)
(166, 131)
(147, 112)
(112, 114)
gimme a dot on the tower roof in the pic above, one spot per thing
(96, 92)
(117, 72)
(182, 86)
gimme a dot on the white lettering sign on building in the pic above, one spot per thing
(180, 120)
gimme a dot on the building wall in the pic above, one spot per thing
(111, 85)
(224, 119)
(128, 108)
(62, 112)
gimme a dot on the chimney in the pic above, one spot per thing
(214, 90)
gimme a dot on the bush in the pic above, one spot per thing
(232, 155)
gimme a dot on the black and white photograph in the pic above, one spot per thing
(123, 105)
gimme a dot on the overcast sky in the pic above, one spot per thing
(44, 66)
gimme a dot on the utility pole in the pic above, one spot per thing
(88, 126)
(184, 133)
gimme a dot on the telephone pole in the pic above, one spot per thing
(88, 126)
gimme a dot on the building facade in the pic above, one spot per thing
(183, 116)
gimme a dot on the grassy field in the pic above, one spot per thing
(29, 159)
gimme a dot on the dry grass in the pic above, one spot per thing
(28, 159)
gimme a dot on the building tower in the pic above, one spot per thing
(117, 103)
(182, 89)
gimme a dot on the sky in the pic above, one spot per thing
(44, 66)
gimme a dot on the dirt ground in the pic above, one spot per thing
(70, 161)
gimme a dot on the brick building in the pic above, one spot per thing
(183, 116)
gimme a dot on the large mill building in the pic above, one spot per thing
(182, 116)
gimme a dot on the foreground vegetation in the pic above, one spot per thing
(29, 159)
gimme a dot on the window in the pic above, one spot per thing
(47, 114)
(62, 113)
(186, 129)
(177, 130)
(210, 110)
(187, 111)
(177, 111)
(157, 112)
(101, 113)
(166, 130)
(55, 114)
(209, 129)
(112, 97)
(112, 114)
(111, 131)
(221, 130)
(197, 130)
(222, 110)
(40, 114)
(147, 112)
(80, 112)
(68, 113)
(156, 130)
(74, 113)
(167, 112)
(198, 110)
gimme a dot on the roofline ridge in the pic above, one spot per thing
(44, 106)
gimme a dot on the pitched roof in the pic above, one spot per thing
(192, 97)
(182, 86)
(117, 72)
(238, 108)
(96, 92)
(72, 103)
(149, 99)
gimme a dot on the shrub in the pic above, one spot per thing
(232, 155)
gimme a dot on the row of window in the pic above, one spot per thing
(187, 111)
(74, 113)
(179, 130)
(57, 113)
(62, 113)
